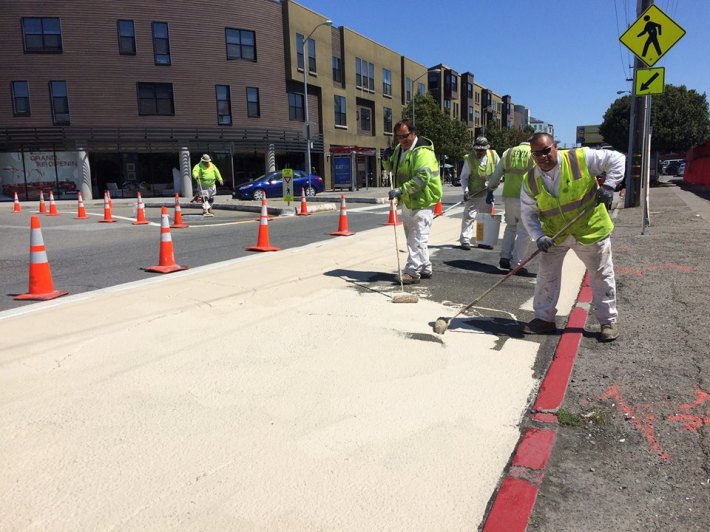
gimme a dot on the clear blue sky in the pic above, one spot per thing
(560, 58)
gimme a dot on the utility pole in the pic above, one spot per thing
(637, 131)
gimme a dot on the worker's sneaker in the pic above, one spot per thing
(504, 264)
(523, 271)
(538, 326)
(609, 332)
(409, 279)
(485, 246)
(466, 246)
(425, 275)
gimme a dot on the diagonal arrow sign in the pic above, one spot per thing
(647, 84)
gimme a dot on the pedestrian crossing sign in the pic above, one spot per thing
(287, 184)
(652, 35)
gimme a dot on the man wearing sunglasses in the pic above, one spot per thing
(477, 168)
(415, 172)
(558, 186)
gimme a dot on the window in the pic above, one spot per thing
(241, 44)
(365, 120)
(387, 115)
(41, 35)
(299, 51)
(161, 43)
(21, 98)
(386, 82)
(312, 55)
(60, 102)
(295, 106)
(155, 99)
(337, 70)
(407, 90)
(421, 89)
(224, 105)
(364, 75)
(126, 37)
(470, 115)
(340, 114)
(253, 108)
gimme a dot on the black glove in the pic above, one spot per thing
(605, 195)
(544, 243)
(466, 196)
(387, 153)
(395, 193)
(489, 197)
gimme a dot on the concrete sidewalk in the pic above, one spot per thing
(269, 392)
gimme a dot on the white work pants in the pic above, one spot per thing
(515, 238)
(597, 258)
(471, 208)
(417, 226)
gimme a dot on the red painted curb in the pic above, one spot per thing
(515, 500)
(535, 448)
(512, 507)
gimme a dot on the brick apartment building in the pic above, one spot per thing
(127, 95)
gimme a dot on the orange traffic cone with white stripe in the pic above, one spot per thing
(167, 258)
(140, 212)
(493, 208)
(393, 219)
(16, 207)
(107, 210)
(52, 205)
(41, 287)
(438, 208)
(343, 222)
(177, 221)
(262, 239)
(42, 204)
(264, 210)
(81, 210)
(304, 205)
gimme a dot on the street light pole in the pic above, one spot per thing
(414, 111)
(305, 99)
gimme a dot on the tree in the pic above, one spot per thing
(501, 139)
(450, 136)
(679, 120)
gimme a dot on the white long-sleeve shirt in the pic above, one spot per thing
(598, 161)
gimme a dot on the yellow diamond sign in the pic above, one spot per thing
(652, 35)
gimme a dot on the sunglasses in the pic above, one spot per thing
(404, 135)
(540, 153)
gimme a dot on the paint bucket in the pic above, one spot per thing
(487, 229)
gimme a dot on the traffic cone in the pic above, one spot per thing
(177, 222)
(16, 206)
(107, 210)
(264, 211)
(393, 219)
(52, 205)
(41, 287)
(304, 205)
(493, 208)
(343, 222)
(262, 239)
(140, 212)
(42, 205)
(110, 201)
(438, 208)
(81, 210)
(167, 258)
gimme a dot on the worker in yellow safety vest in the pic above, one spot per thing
(558, 186)
(207, 175)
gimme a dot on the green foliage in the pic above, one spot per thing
(450, 136)
(679, 120)
(501, 138)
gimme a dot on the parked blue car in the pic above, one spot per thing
(271, 185)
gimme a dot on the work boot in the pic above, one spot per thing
(409, 279)
(609, 332)
(538, 326)
(466, 246)
(425, 275)
(207, 213)
(522, 271)
(504, 264)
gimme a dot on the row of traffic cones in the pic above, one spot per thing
(41, 286)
